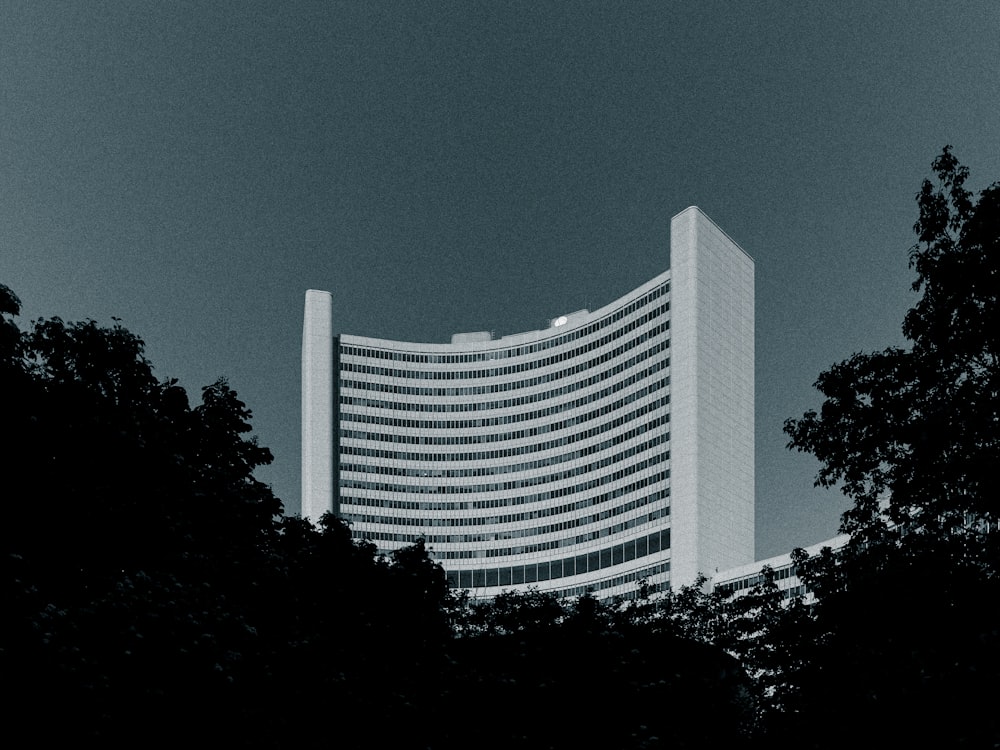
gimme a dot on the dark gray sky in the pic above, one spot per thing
(193, 168)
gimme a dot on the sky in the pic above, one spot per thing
(193, 168)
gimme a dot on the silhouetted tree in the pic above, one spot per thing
(587, 673)
(695, 611)
(151, 592)
(917, 428)
(903, 624)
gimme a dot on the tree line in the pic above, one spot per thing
(154, 592)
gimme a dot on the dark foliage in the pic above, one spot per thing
(151, 591)
(153, 595)
(917, 428)
(590, 674)
(906, 644)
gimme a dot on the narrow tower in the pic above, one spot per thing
(317, 405)
(711, 399)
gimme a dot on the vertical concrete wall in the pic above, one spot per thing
(711, 399)
(317, 405)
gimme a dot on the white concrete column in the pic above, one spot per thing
(711, 399)
(317, 405)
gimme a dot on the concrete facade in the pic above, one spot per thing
(712, 398)
(611, 447)
(317, 405)
(739, 580)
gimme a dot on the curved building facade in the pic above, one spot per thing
(612, 447)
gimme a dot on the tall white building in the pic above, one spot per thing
(613, 446)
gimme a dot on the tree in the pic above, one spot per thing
(916, 431)
(10, 335)
(148, 584)
(587, 672)
(133, 530)
(904, 623)
(111, 469)
(695, 611)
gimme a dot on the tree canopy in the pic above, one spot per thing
(915, 431)
(904, 624)
(150, 585)
(152, 588)
(152, 593)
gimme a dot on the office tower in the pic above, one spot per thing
(611, 447)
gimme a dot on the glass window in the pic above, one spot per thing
(543, 571)
(629, 551)
(606, 558)
(654, 543)
(569, 567)
(530, 573)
